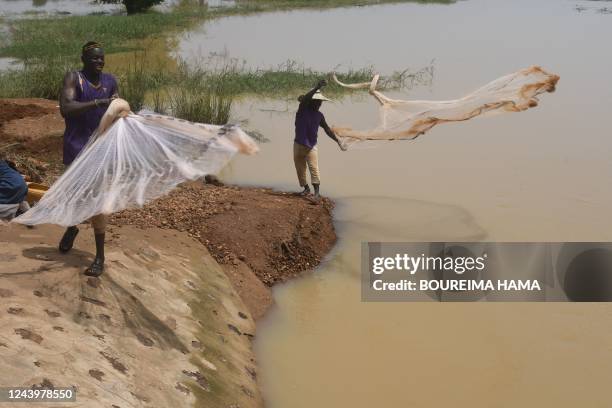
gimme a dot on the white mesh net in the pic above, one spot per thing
(409, 119)
(132, 160)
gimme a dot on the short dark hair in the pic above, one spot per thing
(90, 45)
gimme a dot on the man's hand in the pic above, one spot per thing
(104, 101)
(342, 145)
(321, 84)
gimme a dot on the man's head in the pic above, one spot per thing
(317, 100)
(93, 57)
(315, 104)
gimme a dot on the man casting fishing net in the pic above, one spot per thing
(123, 160)
(85, 97)
(308, 119)
(131, 159)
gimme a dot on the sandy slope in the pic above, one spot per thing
(162, 328)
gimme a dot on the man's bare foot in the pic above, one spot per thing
(96, 269)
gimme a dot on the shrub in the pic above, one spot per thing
(135, 6)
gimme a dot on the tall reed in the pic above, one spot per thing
(204, 105)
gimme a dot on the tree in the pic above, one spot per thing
(134, 6)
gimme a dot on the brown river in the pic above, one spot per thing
(540, 175)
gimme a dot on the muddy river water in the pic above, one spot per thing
(540, 175)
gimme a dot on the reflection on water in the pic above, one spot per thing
(9, 63)
(593, 5)
(534, 176)
(368, 218)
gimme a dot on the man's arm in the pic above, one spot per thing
(331, 134)
(68, 106)
(308, 96)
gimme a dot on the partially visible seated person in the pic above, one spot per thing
(13, 191)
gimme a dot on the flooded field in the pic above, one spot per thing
(24, 8)
(12, 8)
(537, 175)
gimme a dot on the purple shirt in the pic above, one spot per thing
(80, 128)
(307, 122)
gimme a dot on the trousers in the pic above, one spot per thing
(304, 158)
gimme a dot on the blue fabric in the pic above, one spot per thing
(79, 129)
(307, 122)
(13, 188)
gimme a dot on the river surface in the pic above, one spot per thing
(541, 175)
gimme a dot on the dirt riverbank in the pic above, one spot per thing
(259, 236)
(256, 236)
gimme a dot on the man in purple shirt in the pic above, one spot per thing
(308, 119)
(84, 99)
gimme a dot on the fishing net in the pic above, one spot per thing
(409, 119)
(132, 159)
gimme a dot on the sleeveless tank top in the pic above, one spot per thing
(80, 128)
(307, 122)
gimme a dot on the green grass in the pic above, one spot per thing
(255, 6)
(201, 94)
(291, 79)
(133, 85)
(64, 36)
(35, 80)
(202, 105)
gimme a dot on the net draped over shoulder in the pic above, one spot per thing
(132, 159)
(405, 120)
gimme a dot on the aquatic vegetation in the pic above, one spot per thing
(36, 79)
(49, 47)
(288, 79)
(202, 105)
(64, 36)
(254, 6)
(133, 85)
(203, 93)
